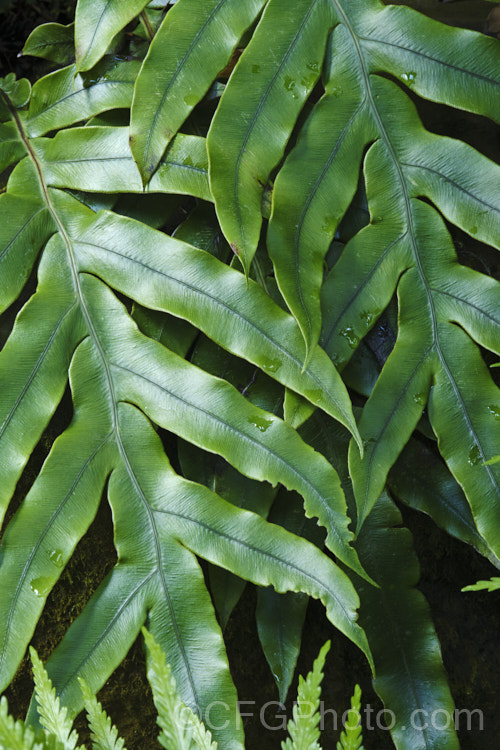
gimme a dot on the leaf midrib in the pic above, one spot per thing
(418, 262)
(324, 505)
(176, 73)
(253, 548)
(221, 303)
(111, 390)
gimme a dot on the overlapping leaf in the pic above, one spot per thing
(75, 323)
(360, 59)
(444, 308)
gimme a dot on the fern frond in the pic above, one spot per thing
(53, 717)
(16, 735)
(104, 735)
(350, 738)
(303, 727)
(180, 727)
(492, 585)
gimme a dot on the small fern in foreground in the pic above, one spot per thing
(351, 738)
(104, 735)
(491, 585)
(180, 727)
(303, 727)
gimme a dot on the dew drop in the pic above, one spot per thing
(290, 86)
(259, 422)
(271, 365)
(409, 77)
(56, 557)
(368, 317)
(473, 230)
(313, 66)
(495, 410)
(475, 456)
(368, 442)
(350, 336)
(337, 91)
(329, 225)
(420, 398)
(376, 220)
(313, 395)
(41, 586)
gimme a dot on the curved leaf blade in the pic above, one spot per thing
(98, 159)
(258, 110)
(64, 97)
(96, 23)
(51, 41)
(193, 44)
(166, 274)
(256, 442)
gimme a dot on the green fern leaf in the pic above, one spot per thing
(104, 735)
(53, 717)
(280, 617)
(15, 735)
(491, 585)
(179, 69)
(350, 738)
(96, 24)
(303, 727)
(64, 328)
(409, 674)
(181, 729)
(52, 41)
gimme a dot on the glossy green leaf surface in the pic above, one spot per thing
(96, 23)
(280, 617)
(121, 382)
(402, 634)
(51, 41)
(98, 159)
(64, 97)
(192, 46)
(146, 274)
(409, 673)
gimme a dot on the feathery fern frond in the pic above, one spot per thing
(15, 735)
(492, 585)
(53, 717)
(303, 727)
(350, 738)
(181, 728)
(103, 734)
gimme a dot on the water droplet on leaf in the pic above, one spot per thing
(420, 398)
(409, 77)
(41, 586)
(475, 456)
(368, 317)
(56, 557)
(495, 410)
(290, 86)
(259, 422)
(191, 100)
(350, 336)
(271, 365)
